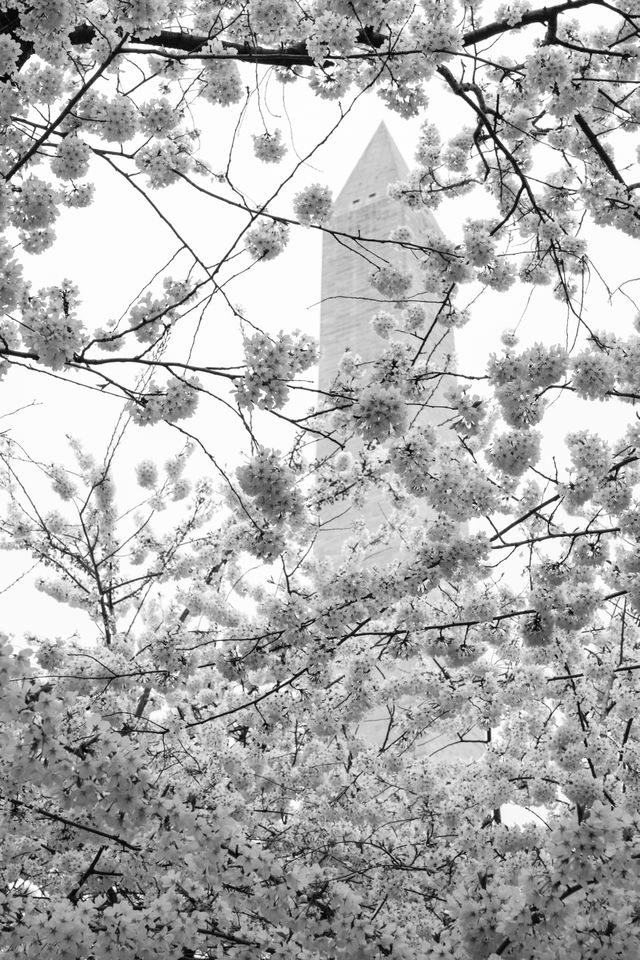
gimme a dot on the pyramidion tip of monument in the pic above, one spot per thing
(380, 164)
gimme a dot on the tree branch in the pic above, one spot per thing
(57, 818)
(295, 54)
(68, 107)
(599, 149)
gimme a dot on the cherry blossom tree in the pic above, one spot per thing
(189, 776)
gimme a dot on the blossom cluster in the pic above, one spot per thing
(383, 323)
(112, 119)
(458, 487)
(513, 451)
(163, 161)
(267, 239)
(271, 364)
(271, 485)
(269, 147)
(521, 378)
(147, 474)
(312, 205)
(34, 213)
(72, 160)
(593, 374)
(220, 81)
(391, 282)
(176, 401)
(413, 455)
(152, 315)
(158, 117)
(379, 412)
(51, 327)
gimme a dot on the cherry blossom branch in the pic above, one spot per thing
(501, 616)
(66, 110)
(552, 536)
(529, 513)
(89, 872)
(278, 686)
(57, 818)
(297, 54)
(541, 15)
(460, 89)
(576, 676)
(330, 231)
(599, 149)
(250, 703)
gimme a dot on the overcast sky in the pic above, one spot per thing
(115, 246)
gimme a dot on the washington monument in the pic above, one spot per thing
(349, 301)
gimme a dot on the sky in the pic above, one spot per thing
(112, 248)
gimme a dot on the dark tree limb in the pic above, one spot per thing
(295, 54)
(57, 818)
(599, 149)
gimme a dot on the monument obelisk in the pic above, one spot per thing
(364, 209)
